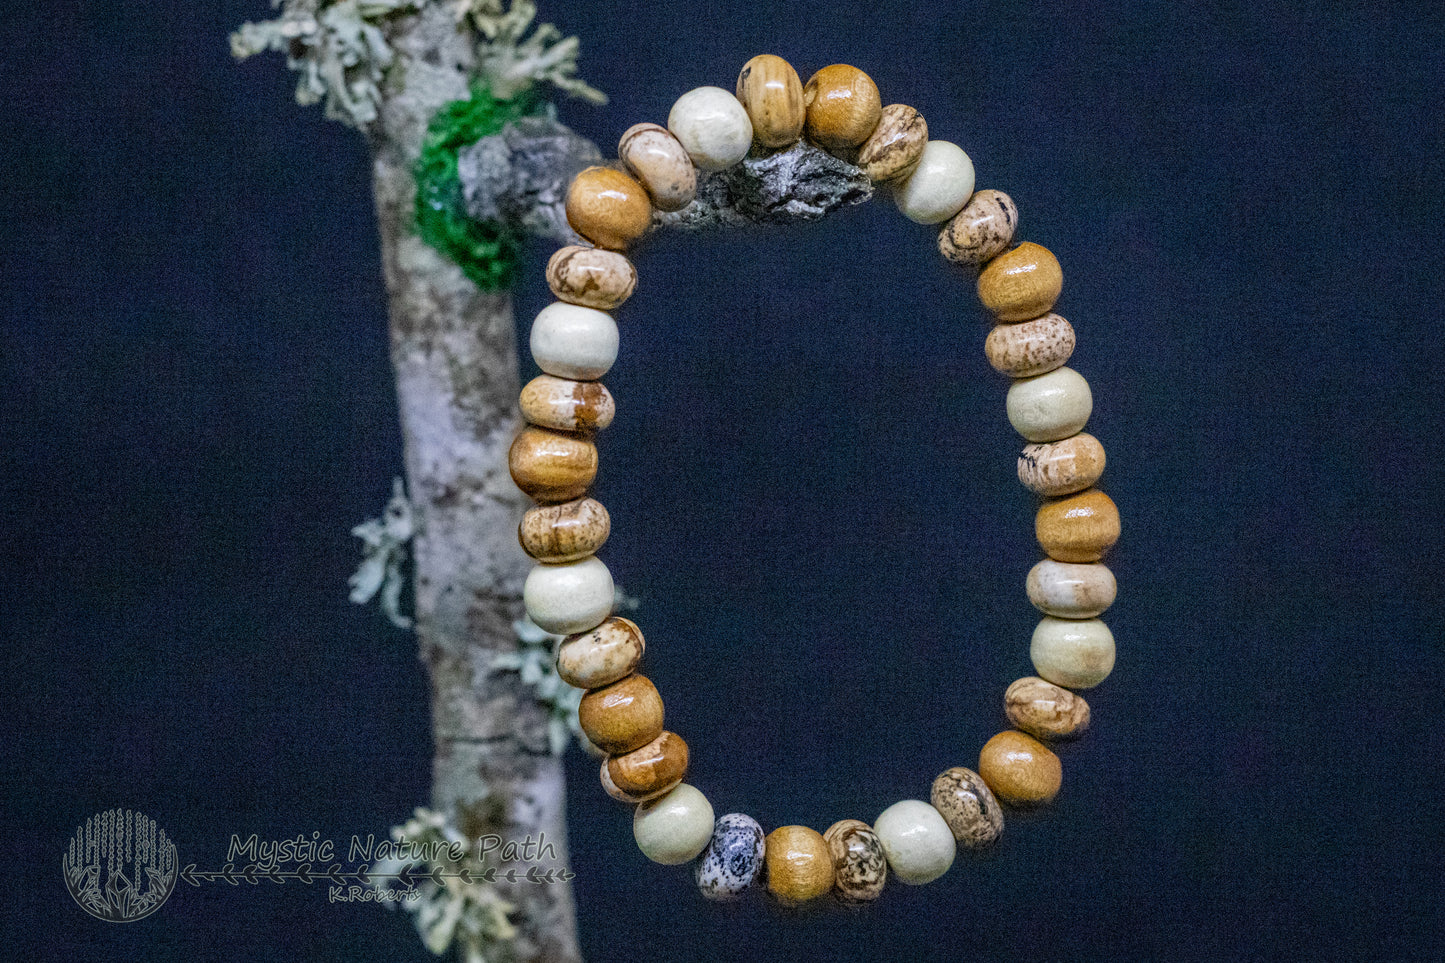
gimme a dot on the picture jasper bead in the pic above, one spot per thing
(571, 341)
(799, 866)
(1031, 347)
(652, 766)
(712, 127)
(896, 144)
(1021, 284)
(843, 107)
(566, 405)
(1050, 406)
(674, 827)
(1071, 590)
(570, 597)
(1044, 710)
(771, 93)
(965, 802)
(564, 532)
(1073, 653)
(860, 867)
(1020, 770)
(623, 715)
(608, 207)
(939, 185)
(609, 787)
(1062, 467)
(660, 162)
(1078, 528)
(605, 654)
(917, 841)
(591, 277)
(733, 858)
(550, 465)
(981, 231)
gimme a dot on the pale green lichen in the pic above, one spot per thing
(385, 545)
(512, 62)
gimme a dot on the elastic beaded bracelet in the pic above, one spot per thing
(575, 341)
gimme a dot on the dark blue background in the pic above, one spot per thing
(810, 476)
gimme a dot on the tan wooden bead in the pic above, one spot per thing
(608, 207)
(657, 159)
(981, 231)
(843, 107)
(771, 93)
(1019, 769)
(661, 762)
(1062, 467)
(564, 532)
(1021, 284)
(896, 144)
(1078, 528)
(799, 865)
(860, 867)
(1044, 710)
(610, 787)
(964, 800)
(591, 277)
(567, 405)
(1031, 348)
(552, 466)
(605, 654)
(623, 715)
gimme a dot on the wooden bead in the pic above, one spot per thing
(938, 186)
(981, 231)
(610, 787)
(623, 715)
(608, 207)
(733, 859)
(860, 867)
(571, 341)
(896, 144)
(649, 767)
(1022, 283)
(658, 160)
(570, 597)
(1031, 348)
(918, 843)
(607, 653)
(800, 867)
(712, 127)
(591, 277)
(552, 402)
(1078, 528)
(965, 802)
(843, 107)
(1020, 770)
(552, 466)
(1073, 653)
(564, 532)
(1070, 590)
(1051, 406)
(675, 827)
(1062, 467)
(771, 93)
(1044, 710)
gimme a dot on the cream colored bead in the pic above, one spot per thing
(1062, 467)
(570, 597)
(917, 841)
(1031, 348)
(713, 127)
(571, 341)
(660, 162)
(1050, 406)
(674, 827)
(1068, 590)
(1076, 654)
(938, 187)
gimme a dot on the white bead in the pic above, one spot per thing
(1069, 590)
(571, 341)
(939, 186)
(712, 126)
(570, 597)
(673, 828)
(1076, 654)
(1050, 407)
(917, 841)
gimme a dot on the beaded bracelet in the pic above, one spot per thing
(574, 341)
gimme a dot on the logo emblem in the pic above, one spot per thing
(120, 866)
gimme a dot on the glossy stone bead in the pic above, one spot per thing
(1020, 770)
(564, 532)
(1078, 528)
(1030, 348)
(918, 843)
(800, 867)
(623, 715)
(649, 767)
(567, 405)
(552, 466)
(1022, 283)
(570, 597)
(1062, 467)
(733, 858)
(965, 802)
(570, 341)
(608, 207)
(658, 159)
(1073, 653)
(1050, 407)
(1070, 590)
(771, 93)
(860, 868)
(843, 107)
(611, 789)
(981, 231)
(939, 185)
(1044, 710)
(896, 144)
(712, 126)
(675, 827)
(605, 654)
(591, 276)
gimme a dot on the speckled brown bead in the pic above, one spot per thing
(981, 231)
(860, 868)
(895, 145)
(661, 762)
(610, 787)
(605, 654)
(591, 277)
(1031, 348)
(843, 107)
(564, 532)
(771, 93)
(1021, 284)
(623, 715)
(1078, 528)
(1020, 770)
(1062, 467)
(566, 405)
(799, 866)
(552, 466)
(660, 162)
(1045, 710)
(608, 207)
(968, 806)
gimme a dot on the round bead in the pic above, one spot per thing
(611, 789)
(771, 93)
(712, 126)
(623, 715)
(938, 186)
(591, 277)
(652, 766)
(605, 654)
(570, 597)
(660, 162)
(571, 341)
(800, 867)
(1022, 283)
(843, 107)
(1050, 407)
(1070, 590)
(733, 858)
(1062, 467)
(1019, 769)
(1073, 653)
(674, 827)
(918, 843)
(896, 144)
(964, 801)
(608, 207)
(564, 532)
(1044, 710)
(860, 868)
(1030, 348)
(981, 231)
(552, 466)
(552, 402)
(1078, 528)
